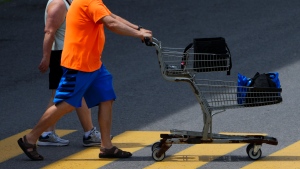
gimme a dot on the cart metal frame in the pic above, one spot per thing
(214, 96)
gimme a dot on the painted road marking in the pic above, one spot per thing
(131, 141)
(288, 157)
(10, 148)
(195, 156)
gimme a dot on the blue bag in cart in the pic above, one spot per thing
(262, 89)
(275, 78)
(241, 90)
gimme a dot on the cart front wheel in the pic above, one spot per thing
(155, 146)
(252, 155)
(155, 157)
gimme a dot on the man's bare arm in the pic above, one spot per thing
(121, 26)
(124, 21)
(56, 14)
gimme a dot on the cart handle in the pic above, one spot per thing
(148, 42)
(152, 42)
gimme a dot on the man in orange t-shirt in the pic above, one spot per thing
(84, 73)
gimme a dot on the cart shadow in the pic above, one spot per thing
(194, 158)
(228, 158)
(182, 158)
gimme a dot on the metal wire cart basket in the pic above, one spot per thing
(214, 96)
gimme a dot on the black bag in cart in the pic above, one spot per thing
(265, 91)
(210, 55)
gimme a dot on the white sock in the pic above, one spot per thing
(86, 134)
(46, 133)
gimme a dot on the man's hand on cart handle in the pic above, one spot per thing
(145, 34)
(148, 41)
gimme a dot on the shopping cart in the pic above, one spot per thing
(214, 96)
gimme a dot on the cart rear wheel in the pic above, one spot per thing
(249, 146)
(155, 145)
(251, 154)
(154, 155)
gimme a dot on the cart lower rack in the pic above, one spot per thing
(214, 96)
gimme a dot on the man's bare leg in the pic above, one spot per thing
(50, 117)
(105, 122)
(107, 150)
(85, 116)
(52, 127)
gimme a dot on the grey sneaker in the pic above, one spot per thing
(52, 139)
(93, 139)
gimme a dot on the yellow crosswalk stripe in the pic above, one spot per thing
(131, 141)
(288, 157)
(10, 148)
(195, 156)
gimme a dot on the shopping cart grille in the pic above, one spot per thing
(218, 94)
(176, 62)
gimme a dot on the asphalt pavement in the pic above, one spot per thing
(263, 36)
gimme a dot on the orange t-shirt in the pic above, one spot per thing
(84, 38)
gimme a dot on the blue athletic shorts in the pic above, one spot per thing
(95, 87)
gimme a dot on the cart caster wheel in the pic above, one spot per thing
(251, 154)
(155, 145)
(154, 156)
(249, 146)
